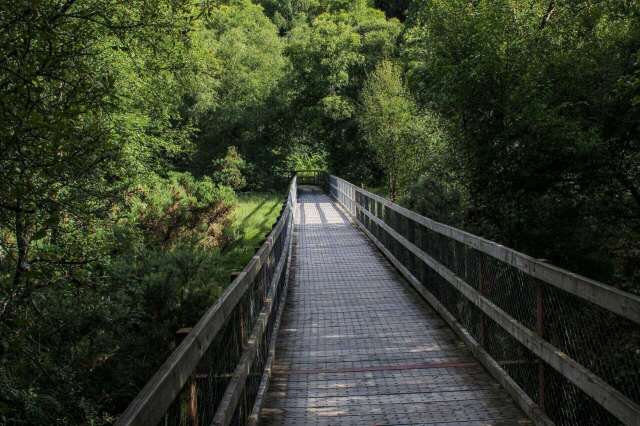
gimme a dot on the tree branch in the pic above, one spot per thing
(547, 17)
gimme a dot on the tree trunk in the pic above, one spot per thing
(547, 16)
(393, 186)
(22, 264)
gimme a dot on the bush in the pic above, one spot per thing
(180, 208)
(438, 199)
(101, 314)
(229, 170)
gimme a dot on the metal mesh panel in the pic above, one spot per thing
(603, 342)
(200, 397)
(254, 379)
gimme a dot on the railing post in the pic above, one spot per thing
(192, 403)
(482, 289)
(540, 332)
(411, 236)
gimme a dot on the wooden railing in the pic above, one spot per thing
(310, 177)
(565, 347)
(215, 376)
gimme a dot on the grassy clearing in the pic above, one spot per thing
(253, 218)
(382, 190)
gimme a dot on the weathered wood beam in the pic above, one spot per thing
(610, 298)
(231, 398)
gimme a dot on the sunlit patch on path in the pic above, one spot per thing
(358, 346)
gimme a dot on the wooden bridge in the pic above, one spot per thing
(358, 346)
(358, 311)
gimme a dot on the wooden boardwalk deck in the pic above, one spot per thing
(357, 345)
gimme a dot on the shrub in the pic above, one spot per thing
(229, 169)
(180, 208)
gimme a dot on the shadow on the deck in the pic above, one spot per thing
(358, 346)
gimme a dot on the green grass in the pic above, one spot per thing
(255, 215)
(253, 218)
(382, 190)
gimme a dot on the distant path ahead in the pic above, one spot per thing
(357, 346)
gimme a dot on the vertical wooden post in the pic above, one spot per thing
(411, 236)
(540, 332)
(192, 403)
(482, 289)
(232, 277)
(242, 331)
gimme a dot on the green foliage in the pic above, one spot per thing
(92, 331)
(542, 97)
(331, 56)
(180, 209)
(228, 170)
(306, 156)
(253, 218)
(244, 55)
(101, 259)
(86, 110)
(247, 52)
(286, 13)
(439, 199)
(405, 140)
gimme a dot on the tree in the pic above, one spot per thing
(229, 170)
(287, 13)
(242, 55)
(403, 139)
(81, 114)
(92, 110)
(541, 96)
(331, 56)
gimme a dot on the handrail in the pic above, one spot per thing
(618, 301)
(310, 176)
(209, 369)
(478, 285)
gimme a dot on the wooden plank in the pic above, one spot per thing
(394, 411)
(622, 303)
(419, 398)
(611, 399)
(516, 392)
(356, 346)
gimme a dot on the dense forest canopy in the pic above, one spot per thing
(128, 128)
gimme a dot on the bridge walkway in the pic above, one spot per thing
(357, 345)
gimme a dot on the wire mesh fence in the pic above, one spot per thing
(213, 377)
(570, 344)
